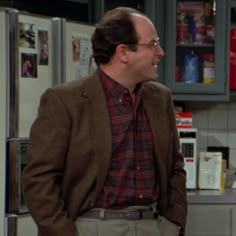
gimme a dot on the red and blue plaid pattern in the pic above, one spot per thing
(132, 176)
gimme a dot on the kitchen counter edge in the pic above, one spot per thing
(224, 196)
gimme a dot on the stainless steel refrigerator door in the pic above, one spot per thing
(3, 114)
(30, 74)
(78, 60)
(35, 66)
(31, 70)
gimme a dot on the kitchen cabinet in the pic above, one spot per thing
(233, 48)
(211, 213)
(196, 47)
(211, 220)
(146, 6)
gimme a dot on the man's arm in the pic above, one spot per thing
(47, 149)
(177, 195)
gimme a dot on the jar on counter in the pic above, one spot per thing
(208, 69)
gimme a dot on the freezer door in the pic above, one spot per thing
(78, 60)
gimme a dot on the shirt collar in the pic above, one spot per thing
(116, 89)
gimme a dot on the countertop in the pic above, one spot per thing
(225, 196)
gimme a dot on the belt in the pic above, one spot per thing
(105, 214)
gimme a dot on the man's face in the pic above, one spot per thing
(143, 62)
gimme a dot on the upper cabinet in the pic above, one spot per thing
(146, 6)
(196, 49)
(232, 66)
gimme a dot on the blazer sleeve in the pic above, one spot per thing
(177, 193)
(48, 142)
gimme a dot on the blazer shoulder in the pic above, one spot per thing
(78, 86)
(156, 86)
(71, 85)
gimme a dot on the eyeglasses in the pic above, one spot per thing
(154, 44)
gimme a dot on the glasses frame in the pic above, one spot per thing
(153, 44)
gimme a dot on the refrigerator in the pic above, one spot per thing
(37, 52)
(76, 54)
(3, 63)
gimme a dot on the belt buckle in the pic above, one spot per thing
(150, 214)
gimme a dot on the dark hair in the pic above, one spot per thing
(116, 27)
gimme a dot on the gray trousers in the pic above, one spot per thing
(153, 227)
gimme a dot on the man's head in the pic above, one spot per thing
(127, 41)
(116, 27)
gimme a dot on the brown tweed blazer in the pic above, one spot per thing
(70, 151)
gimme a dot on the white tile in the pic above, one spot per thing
(218, 119)
(200, 119)
(200, 150)
(232, 104)
(232, 139)
(218, 106)
(202, 139)
(232, 158)
(190, 106)
(232, 119)
(217, 138)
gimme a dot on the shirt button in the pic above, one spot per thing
(141, 196)
(120, 100)
(138, 168)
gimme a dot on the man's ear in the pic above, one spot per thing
(122, 53)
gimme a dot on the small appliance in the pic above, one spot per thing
(188, 147)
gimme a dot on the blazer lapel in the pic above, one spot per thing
(153, 107)
(100, 128)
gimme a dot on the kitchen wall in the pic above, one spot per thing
(216, 123)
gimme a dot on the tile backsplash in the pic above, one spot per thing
(216, 124)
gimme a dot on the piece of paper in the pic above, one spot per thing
(210, 170)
